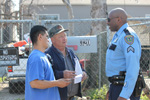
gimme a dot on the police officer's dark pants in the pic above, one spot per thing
(71, 98)
(115, 90)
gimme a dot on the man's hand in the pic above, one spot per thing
(120, 98)
(63, 82)
(84, 76)
(69, 74)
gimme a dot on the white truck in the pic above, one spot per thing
(15, 60)
(16, 76)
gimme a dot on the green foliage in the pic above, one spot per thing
(143, 97)
(4, 78)
(98, 94)
(0, 79)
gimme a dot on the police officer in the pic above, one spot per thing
(123, 54)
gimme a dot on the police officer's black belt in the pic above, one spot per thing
(117, 79)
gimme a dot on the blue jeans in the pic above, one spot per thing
(114, 92)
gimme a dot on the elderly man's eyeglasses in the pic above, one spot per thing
(109, 19)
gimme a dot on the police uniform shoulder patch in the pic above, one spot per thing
(129, 39)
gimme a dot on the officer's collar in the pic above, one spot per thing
(122, 28)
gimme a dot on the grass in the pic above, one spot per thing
(0, 79)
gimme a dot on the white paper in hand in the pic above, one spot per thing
(78, 71)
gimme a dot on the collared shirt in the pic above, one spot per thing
(123, 54)
(72, 89)
(59, 67)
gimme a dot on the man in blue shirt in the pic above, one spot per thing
(40, 81)
(123, 54)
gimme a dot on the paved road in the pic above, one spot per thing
(5, 95)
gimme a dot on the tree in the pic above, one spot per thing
(70, 16)
(66, 2)
(98, 10)
(6, 13)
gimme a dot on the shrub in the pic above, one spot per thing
(144, 97)
(100, 94)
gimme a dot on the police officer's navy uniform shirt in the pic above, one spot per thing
(123, 54)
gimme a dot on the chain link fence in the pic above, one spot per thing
(12, 71)
(93, 63)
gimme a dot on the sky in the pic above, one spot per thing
(16, 4)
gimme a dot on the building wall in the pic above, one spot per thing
(80, 12)
(83, 11)
(133, 10)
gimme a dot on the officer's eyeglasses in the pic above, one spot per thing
(109, 19)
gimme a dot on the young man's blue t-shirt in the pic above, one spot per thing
(38, 67)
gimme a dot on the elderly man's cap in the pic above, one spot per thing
(56, 29)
